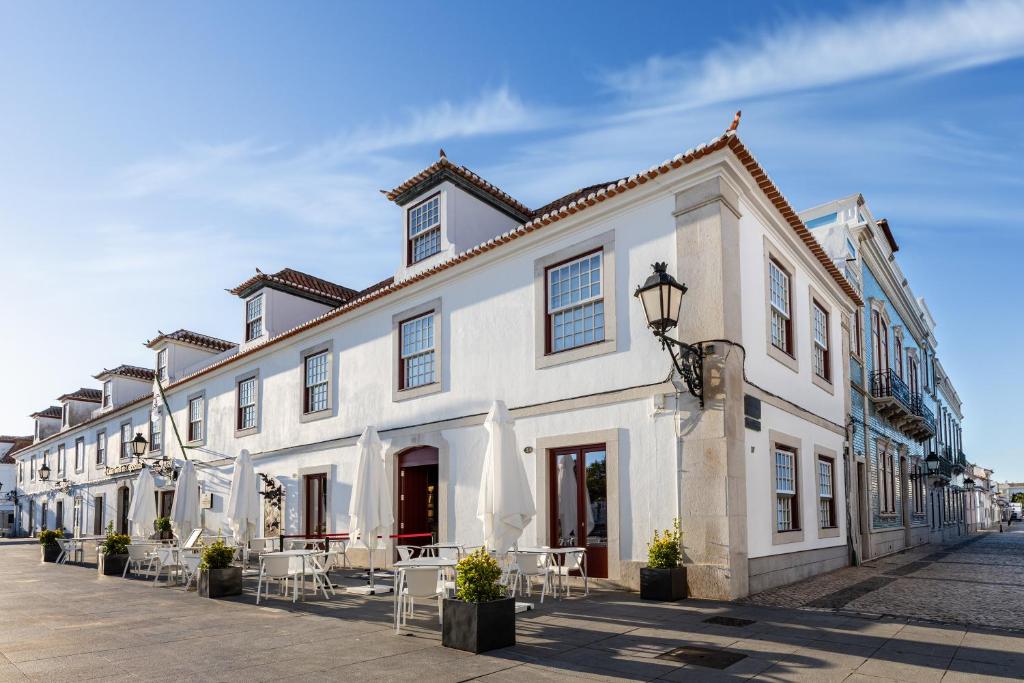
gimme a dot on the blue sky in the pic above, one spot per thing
(152, 155)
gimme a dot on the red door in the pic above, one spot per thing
(579, 503)
(417, 495)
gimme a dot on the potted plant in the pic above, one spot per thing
(481, 617)
(217, 577)
(663, 578)
(113, 553)
(163, 527)
(48, 547)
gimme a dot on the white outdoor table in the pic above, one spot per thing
(415, 562)
(431, 549)
(554, 553)
(302, 577)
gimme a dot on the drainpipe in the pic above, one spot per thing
(851, 428)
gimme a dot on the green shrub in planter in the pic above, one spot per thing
(49, 550)
(663, 578)
(113, 553)
(217, 577)
(163, 527)
(481, 617)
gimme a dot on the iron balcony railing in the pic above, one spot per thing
(919, 408)
(961, 458)
(887, 384)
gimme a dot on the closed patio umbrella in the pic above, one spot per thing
(142, 511)
(185, 509)
(370, 510)
(506, 504)
(243, 508)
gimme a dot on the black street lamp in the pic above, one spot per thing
(44, 472)
(969, 484)
(662, 297)
(139, 444)
(932, 463)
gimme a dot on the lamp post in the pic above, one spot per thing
(662, 297)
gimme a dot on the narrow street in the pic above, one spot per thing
(979, 581)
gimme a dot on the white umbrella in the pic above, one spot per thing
(142, 511)
(370, 510)
(506, 503)
(185, 509)
(243, 508)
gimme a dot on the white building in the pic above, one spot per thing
(9, 445)
(492, 300)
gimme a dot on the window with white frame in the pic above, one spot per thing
(826, 497)
(32, 469)
(65, 414)
(575, 302)
(417, 352)
(857, 328)
(781, 300)
(79, 453)
(101, 448)
(195, 419)
(424, 229)
(821, 351)
(126, 440)
(161, 364)
(254, 318)
(317, 382)
(786, 508)
(156, 425)
(108, 392)
(61, 459)
(246, 404)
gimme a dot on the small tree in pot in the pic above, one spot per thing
(663, 578)
(113, 553)
(481, 617)
(217, 577)
(49, 549)
(163, 527)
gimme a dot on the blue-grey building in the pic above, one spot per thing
(902, 405)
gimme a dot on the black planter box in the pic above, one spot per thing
(479, 626)
(667, 585)
(111, 565)
(49, 552)
(220, 583)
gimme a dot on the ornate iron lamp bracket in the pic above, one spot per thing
(689, 363)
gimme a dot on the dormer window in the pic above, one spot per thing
(424, 229)
(107, 393)
(161, 364)
(65, 414)
(254, 318)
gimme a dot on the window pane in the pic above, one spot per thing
(426, 245)
(419, 370)
(247, 403)
(779, 282)
(418, 335)
(784, 472)
(316, 382)
(577, 326)
(425, 216)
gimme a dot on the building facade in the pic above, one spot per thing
(494, 300)
(903, 406)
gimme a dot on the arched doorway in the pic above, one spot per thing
(124, 497)
(418, 494)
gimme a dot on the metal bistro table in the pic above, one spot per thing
(416, 562)
(554, 553)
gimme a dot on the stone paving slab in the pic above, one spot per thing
(64, 623)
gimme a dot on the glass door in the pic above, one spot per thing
(579, 510)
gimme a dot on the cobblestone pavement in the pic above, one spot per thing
(62, 623)
(978, 581)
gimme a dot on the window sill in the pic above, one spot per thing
(416, 392)
(822, 383)
(789, 536)
(576, 353)
(828, 532)
(246, 432)
(783, 357)
(316, 415)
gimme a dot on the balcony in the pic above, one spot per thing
(904, 410)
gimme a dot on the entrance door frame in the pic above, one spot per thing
(403, 442)
(300, 512)
(611, 438)
(399, 466)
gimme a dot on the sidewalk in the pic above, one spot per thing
(63, 623)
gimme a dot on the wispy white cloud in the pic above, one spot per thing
(804, 54)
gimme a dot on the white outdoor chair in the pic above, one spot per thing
(574, 562)
(418, 582)
(190, 568)
(275, 568)
(137, 554)
(407, 552)
(62, 558)
(530, 566)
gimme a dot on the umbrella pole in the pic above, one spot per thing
(370, 548)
